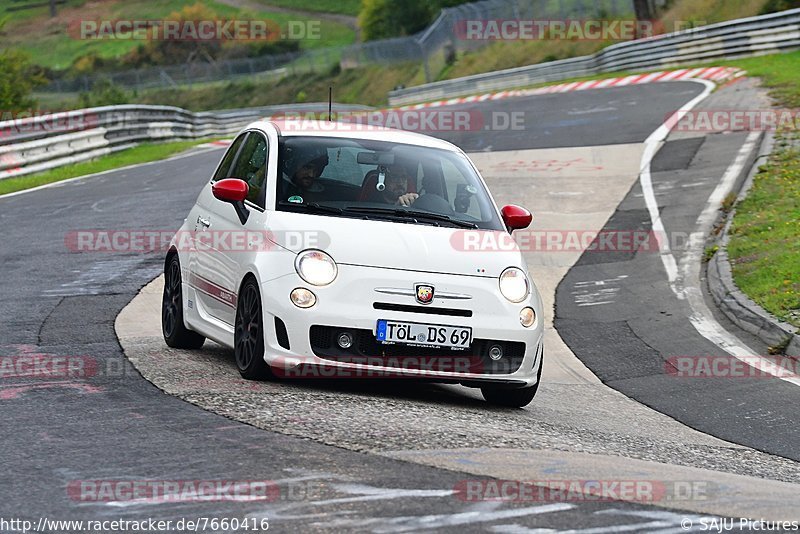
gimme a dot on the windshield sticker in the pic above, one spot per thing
(296, 199)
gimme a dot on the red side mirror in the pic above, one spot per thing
(230, 190)
(516, 217)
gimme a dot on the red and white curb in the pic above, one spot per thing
(715, 74)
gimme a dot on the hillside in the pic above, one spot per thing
(52, 42)
(365, 85)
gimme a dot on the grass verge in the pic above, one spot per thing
(764, 243)
(140, 154)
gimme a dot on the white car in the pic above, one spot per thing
(356, 253)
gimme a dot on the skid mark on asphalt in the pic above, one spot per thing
(579, 165)
(95, 279)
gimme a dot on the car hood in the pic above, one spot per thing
(396, 245)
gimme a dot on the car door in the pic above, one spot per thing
(208, 295)
(230, 240)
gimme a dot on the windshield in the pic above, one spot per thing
(381, 180)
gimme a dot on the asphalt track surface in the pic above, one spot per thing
(118, 426)
(632, 340)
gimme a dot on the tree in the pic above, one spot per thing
(642, 10)
(18, 78)
(381, 19)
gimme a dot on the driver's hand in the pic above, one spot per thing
(407, 199)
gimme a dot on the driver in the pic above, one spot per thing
(396, 182)
(305, 165)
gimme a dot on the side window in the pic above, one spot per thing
(227, 159)
(251, 166)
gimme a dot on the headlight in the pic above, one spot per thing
(514, 284)
(315, 267)
(527, 317)
(303, 298)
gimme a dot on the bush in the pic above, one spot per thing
(103, 93)
(164, 52)
(773, 6)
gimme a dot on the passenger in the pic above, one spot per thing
(306, 165)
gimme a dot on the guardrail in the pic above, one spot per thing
(45, 142)
(739, 38)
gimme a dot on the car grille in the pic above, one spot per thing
(368, 351)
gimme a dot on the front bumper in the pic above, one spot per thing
(301, 339)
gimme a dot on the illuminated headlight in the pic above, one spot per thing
(315, 267)
(514, 284)
(527, 317)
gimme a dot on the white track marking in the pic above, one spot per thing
(433, 521)
(685, 282)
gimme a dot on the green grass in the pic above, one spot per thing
(780, 73)
(139, 154)
(765, 237)
(341, 7)
(50, 44)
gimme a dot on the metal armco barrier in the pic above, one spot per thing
(753, 36)
(45, 142)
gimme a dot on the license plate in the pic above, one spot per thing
(429, 335)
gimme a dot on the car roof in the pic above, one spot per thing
(315, 128)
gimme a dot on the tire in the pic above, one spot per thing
(248, 334)
(176, 335)
(513, 397)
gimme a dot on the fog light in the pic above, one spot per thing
(527, 317)
(303, 298)
(345, 340)
(495, 352)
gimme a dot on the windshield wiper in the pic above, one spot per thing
(416, 214)
(311, 206)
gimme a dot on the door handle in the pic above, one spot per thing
(205, 222)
